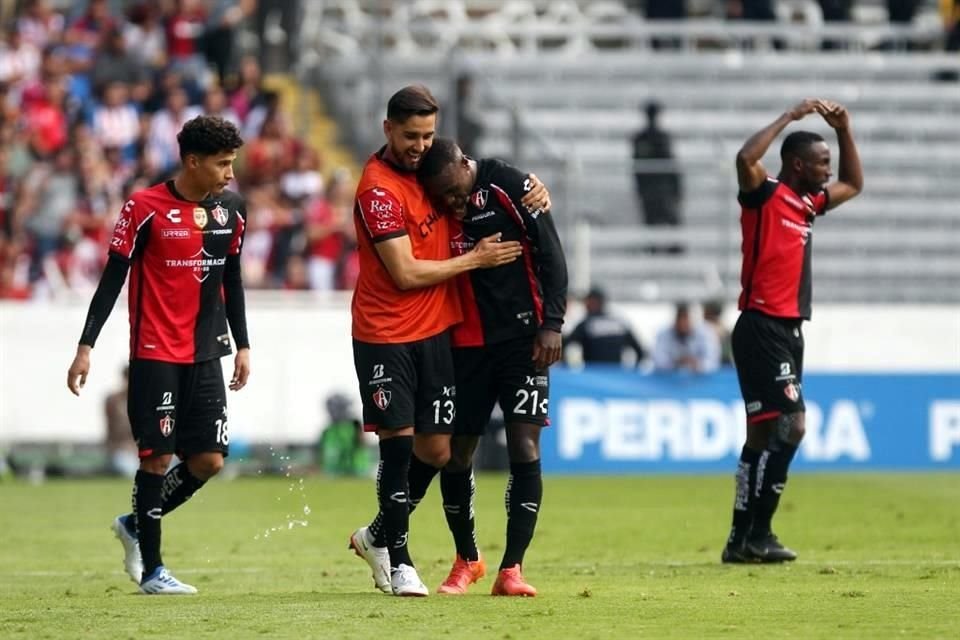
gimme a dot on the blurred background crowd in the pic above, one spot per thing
(92, 96)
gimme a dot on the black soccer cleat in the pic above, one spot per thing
(769, 549)
(737, 554)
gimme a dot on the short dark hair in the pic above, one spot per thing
(798, 142)
(442, 153)
(207, 136)
(414, 100)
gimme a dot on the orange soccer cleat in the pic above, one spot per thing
(462, 575)
(510, 582)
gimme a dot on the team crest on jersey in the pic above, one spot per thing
(200, 217)
(220, 215)
(166, 425)
(479, 198)
(792, 391)
(381, 398)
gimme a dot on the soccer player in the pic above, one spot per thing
(510, 335)
(777, 219)
(403, 305)
(181, 242)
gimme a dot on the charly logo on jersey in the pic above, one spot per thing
(381, 398)
(479, 198)
(220, 214)
(200, 217)
(166, 425)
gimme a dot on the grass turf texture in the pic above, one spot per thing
(613, 557)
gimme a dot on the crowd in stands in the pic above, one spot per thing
(90, 106)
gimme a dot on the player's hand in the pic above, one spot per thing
(834, 113)
(490, 252)
(804, 109)
(79, 368)
(536, 196)
(547, 348)
(241, 370)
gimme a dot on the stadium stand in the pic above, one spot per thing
(560, 85)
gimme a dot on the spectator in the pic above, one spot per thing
(604, 338)
(666, 10)
(303, 182)
(835, 11)
(658, 182)
(185, 31)
(116, 122)
(468, 118)
(122, 459)
(146, 40)
(902, 11)
(114, 64)
(713, 318)
(215, 104)
(19, 61)
(340, 449)
(40, 24)
(950, 12)
(685, 346)
(49, 197)
(248, 92)
(222, 22)
(163, 152)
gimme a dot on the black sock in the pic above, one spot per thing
(457, 489)
(178, 485)
(395, 454)
(771, 479)
(148, 510)
(523, 496)
(420, 476)
(376, 527)
(744, 501)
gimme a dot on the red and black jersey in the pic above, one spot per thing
(777, 226)
(177, 250)
(518, 298)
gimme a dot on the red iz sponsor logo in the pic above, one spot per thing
(166, 425)
(479, 198)
(220, 215)
(381, 398)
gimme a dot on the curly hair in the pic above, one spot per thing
(798, 143)
(207, 136)
(442, 153)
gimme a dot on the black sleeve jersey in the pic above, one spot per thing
(528, 294)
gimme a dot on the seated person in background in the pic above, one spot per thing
(341, 450)
(684, 346)
(713, 318)
(603, 338)
(122, 458)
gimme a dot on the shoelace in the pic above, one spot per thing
(460, 573)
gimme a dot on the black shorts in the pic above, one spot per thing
(178, 408)
(768, 354)
(504, 372)
(407, 384)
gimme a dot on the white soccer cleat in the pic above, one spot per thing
(132, 561)
(161, 583)
(406, 582)
(377, 557)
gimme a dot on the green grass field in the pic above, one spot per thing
(613, 558)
